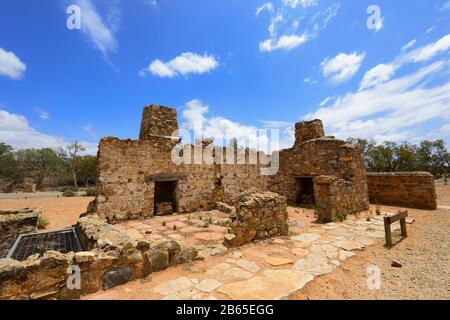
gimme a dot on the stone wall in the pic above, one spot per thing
(322, 156)
(123, 165)
(14, 222)
(334, 198)
(158, 121)
(123, 192)
(114, 259)
(259, 215)
(405, 189)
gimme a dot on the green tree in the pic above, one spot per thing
(38, 164)
(8, 164)
(86, 168)
(70, 156)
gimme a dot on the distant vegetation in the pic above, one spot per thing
(430, 156)
(47, 167)
(65, 167)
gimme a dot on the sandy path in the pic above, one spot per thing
(60, 213)
(424, 256)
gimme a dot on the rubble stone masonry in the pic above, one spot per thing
(406, 189)
(259, 215)
(129, 171)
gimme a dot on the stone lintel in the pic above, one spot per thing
(161, 177)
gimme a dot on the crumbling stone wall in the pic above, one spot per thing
(322, 156)
(405, 189)
(14, 222)
(158, 121)
(334, 198)
(124, 192)
(259, 215)
(114, 259)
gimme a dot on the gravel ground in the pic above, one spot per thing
(60, 213)
(424, 257)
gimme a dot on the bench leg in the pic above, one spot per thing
(387, 230)
(403, 228)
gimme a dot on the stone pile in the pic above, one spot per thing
(163, 209)
(19, 221)
(260, 215)
(114, 259)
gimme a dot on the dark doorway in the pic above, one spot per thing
(165, 202)
(304, 191)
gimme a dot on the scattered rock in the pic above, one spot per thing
(395, 264)
(208, 285)
(274, 261)
(115, 277)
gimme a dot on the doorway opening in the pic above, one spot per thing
(165, 200)
(304, 191)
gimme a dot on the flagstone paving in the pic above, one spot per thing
(270, 269)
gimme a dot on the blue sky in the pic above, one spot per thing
(231, 64)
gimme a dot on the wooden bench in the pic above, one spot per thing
(402, 215)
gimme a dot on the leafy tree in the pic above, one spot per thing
(431, 156)
(70, 156)
(8, 164)
(38, 163)
(86, 168)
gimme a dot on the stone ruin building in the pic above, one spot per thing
(138, 179)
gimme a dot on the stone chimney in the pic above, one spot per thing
(308, 130)
(158, 121)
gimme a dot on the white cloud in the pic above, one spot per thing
(273, 24)
(427, 52)
(15, 130)
(325, 101)
(284, 33)
(384, 72)
(89, 129)
(409, 45)
(286, 42)
(44, 115)
(304, 3)
(100, 33)
(342, 67)
(10, 65)
(221, 129)
(392, 110)
(184, 64)
(376, 75)
(445, 6)
(266, 6)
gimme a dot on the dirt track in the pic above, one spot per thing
(60, 213)
(424, 257)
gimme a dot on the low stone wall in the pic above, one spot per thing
(335, 198)
(405, 189)
(259, 215)
(19, 221)
(114, 259)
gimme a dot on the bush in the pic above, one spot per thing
(67, 188)
(90, 192)
(69, 194)
(42, 223)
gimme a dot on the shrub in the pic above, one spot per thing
(90, 192)
(67, 188)
(69, 194)
(42, 223)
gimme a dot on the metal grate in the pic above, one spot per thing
(63, 241)
(6, 243)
